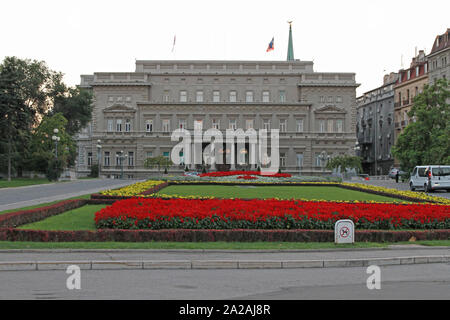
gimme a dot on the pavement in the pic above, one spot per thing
(12, 198)
(29, 260)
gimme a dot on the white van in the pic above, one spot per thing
(430, 178)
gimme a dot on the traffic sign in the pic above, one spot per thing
(344, 231)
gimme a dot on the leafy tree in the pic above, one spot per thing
(159, 162)
(76, 106)
(427, 140)
(26, 89)
(345, 162)
(43, 148)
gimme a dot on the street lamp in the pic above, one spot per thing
(56, 139)
(122, 157)
(99, 156)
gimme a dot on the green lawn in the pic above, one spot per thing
(282, 192)
(77, 219)
(205, 245)
(20, 182)
(85, 196)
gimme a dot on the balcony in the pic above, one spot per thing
(405, 102)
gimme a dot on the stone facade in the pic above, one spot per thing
(375, 127)
(136, 112)
(439, 58)
(409, 84)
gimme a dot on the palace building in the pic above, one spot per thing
(135, 113)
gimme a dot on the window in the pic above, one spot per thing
(249, 96)
(249, 124)
(89, 159)
(182, 124)
(106, 159)
(199, 96)
(409, 74)
(299, 125)
(266, 124)
(216, 96)
(216, 124)
(283, 125)
(317, 160)
(166, 125)
(417, 71)
(339, 99)
(330, 126)
(322, 99)
(198, 124)
(266, 96)
(339, 125)
(233, 96)
(321, 125)
(127, 125)
(166, 96)
(149, 154)
(282, 159)
(330, 99)
(110, 125)
(119, 125)
(131, 158)
(232, 124)
(282, 96)
(149, 125)
(183, 96)
(166, 154)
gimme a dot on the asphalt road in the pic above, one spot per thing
(428, 281)
(11, 198)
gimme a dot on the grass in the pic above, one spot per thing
(77, 219)
(206, 245)
(21, 182)
(85, 196)
(282, 192)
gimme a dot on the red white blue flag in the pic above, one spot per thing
(270, 46)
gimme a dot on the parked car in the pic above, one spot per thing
(393, 172)
(430, 178)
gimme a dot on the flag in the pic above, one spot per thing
(270, 46)
(174, 39)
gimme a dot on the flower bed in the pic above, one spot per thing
(244, 173)
(140, 189)
(267, 214)
(21, 217)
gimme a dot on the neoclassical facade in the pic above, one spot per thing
(135, 112)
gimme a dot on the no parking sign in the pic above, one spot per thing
(344, 231)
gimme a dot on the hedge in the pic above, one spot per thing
(241, 235)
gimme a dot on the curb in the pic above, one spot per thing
(218, 264)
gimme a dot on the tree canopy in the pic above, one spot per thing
(427, 139)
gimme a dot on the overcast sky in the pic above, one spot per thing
(82, 37)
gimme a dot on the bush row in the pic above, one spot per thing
(17, 218)
(185, 235)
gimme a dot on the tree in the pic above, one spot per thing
(345, 162)
(26, 88)
(427, 139)
(75, 104)
(159, 162)
(43, 148)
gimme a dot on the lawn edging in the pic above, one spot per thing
(231, 235)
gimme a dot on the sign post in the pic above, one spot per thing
(344, 231)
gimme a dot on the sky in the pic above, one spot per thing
(369, 38)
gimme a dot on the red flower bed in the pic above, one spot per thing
(245, 173)
(159, 213)
(246, 177)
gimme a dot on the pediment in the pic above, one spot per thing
(330, 109)
(119, 108)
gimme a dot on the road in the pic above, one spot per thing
(11, 198)
(427, 281)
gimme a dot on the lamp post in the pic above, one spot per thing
(56, 139)
(99, 156)
(122, 157)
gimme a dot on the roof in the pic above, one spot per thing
(441, 42)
